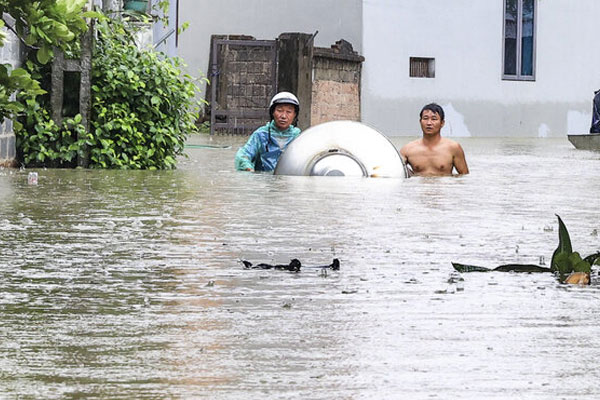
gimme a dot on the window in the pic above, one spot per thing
(422, 67)
(519, 39)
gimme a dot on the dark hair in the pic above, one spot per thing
(434, 108)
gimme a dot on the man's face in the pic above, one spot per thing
(431, 123)
(284, 115)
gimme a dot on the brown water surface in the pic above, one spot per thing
(126, 284)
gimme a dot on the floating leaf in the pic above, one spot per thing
(593, 258)
(522, 268)
(469, 268)
(564, 243)
(528, 268)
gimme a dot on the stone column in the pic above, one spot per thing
(295, 53)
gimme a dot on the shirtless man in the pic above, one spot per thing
(434, 155)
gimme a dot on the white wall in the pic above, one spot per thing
(164, 38)
(465, 38)
(10, 53)
(265, 20)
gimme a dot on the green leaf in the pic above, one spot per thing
(528, 268)
(593, 258)
(44, 55)
(582, 266)
(564, 243)
(577, 264)
(94, 15)
(561, 264)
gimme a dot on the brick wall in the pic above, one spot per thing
(244, 77)
(336, 84)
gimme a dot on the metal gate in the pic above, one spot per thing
(243, 80)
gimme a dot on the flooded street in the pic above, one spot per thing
(127, 284)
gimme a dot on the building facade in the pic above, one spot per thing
(499, 68)
(523, 68)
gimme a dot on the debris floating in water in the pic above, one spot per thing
(293, 266)
(530, 268)
(32, 178)
(578, 278)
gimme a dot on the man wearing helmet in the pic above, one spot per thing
(263, 149)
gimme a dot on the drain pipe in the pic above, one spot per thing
(164, 38)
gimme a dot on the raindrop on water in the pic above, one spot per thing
(26, 221)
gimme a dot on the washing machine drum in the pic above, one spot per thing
(341, 148)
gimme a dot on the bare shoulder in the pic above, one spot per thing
(410, 145)
(452, 145)
(458, 157)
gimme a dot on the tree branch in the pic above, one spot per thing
(13, 30)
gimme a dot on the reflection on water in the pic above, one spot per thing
(126, 284)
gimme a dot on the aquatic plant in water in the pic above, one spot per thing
(566, 263)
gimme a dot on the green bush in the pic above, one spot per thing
(40, 142)
(143, 108)
(41, 25)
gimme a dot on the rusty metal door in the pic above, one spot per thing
(243, 81)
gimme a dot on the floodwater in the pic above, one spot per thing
(127, 285)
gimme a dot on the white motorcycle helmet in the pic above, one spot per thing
(284, 98)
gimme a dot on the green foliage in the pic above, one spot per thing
(40, 142)
(593, 259)
(41, 25)
(565, 263)
(564, 240)
(204, 127)
(12, 80)
(143, 107)
(564, 259)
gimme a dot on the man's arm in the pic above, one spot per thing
(245, 156)
(460, 163)
(404, 155)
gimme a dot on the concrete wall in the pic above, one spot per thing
(265, 20)
(10, 53)
(465, 37)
